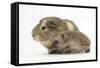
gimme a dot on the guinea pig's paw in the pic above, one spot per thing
(87, 51)
(55, 51)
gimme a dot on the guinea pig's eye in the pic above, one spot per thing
(43, 28)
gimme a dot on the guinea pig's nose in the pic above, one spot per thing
(33, 35)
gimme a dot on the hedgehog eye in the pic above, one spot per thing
(43, 28)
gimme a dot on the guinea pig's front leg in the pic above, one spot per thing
(54, 48)
(53, 51)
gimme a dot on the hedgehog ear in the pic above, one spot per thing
(71, 25)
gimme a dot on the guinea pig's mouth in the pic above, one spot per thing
(37, 38)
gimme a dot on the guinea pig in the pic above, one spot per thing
(70, 42)
(60, 36)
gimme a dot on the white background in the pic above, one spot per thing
(5, 34)
(31, 51)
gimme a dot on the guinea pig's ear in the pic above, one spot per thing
(52, 23)
(71, 25)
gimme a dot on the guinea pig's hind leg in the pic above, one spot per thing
(66, 50)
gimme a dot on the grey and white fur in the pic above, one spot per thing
(60, 36)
